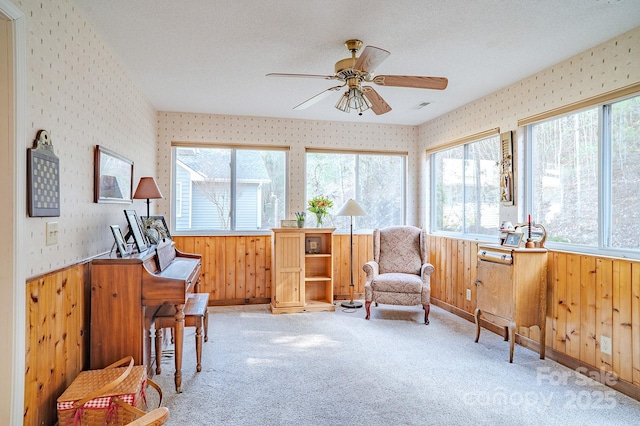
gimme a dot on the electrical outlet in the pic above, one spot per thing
(52, 233)
(469, 294)
(605, 345)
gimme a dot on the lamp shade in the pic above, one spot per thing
(351, 208)
(147, 189)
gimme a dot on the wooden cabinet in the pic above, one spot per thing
(512, 291)
(302, 270)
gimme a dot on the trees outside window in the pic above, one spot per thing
(376, 181)
(625, 174)
(565, 177)
(466, 188)
(584, 172)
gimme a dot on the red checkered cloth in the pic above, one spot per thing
(103, 402)
(112, 405)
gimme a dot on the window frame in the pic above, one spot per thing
(464, 143)
(404, 155)
(232, 220)
(603, 105)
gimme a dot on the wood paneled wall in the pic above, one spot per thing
(237, 269)
(57, 339)
(587, 297)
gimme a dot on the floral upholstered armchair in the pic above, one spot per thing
(399, 272)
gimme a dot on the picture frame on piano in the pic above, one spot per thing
(158, 223)
(135, 230)
(119, 241)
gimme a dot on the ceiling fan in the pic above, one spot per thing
(354, 71)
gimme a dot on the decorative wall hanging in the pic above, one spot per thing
(113, 177)
(506, 168)
(43, 176)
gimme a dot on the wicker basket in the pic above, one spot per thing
(111, 396)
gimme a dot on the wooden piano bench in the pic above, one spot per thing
(195, 315)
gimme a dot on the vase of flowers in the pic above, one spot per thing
(300, 219)
(320, 206)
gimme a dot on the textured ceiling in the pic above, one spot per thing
(211, 56)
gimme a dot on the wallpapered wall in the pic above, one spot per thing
(78, 91)
(608, 66)
(297, 134)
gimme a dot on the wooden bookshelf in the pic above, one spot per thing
(302, 270)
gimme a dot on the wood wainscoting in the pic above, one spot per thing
(237, 269)
(57, 338)
(587, 297)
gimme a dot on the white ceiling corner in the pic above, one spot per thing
(212, 56)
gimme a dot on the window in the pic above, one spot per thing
(376, 181)
(584, 169)
(565, 177)
(466, 188)
(178, 199)
(228, 189)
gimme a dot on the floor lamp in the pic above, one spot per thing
(351, 208)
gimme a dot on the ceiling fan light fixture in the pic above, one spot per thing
(353, 99)
(343, 103)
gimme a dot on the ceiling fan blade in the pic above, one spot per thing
(370, 58)
(320, 96)
(325, 77)
(437, 83)
(378, 105)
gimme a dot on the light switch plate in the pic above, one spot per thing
(469, 294)
(52, 233)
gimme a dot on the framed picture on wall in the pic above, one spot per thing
(113, 177)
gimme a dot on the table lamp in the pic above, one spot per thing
(351, 208)
(147, 188)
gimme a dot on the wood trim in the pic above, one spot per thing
(222, 145)
(236, 302)
(469, 317)
(352, 151)
(471, 138)
(585, 103)
(64, 268)
(580, 367)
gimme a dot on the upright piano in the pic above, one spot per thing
(126, 292)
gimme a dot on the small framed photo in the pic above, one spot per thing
(120, 245)
(158, 223)
(312, 245)
(288, 223)
(513, 239)
(134, 229)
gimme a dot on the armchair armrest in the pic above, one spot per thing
(372, 270)
(426, 270)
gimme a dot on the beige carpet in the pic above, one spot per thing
(335, 368)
